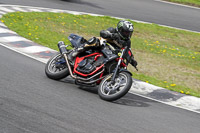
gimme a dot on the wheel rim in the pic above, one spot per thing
(120, 82)
(56, 65)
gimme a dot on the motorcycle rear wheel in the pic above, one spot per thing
(112, 92)
(55, 68)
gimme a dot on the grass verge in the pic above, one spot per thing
(195, 3)
(167, 57)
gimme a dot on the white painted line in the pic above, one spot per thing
(163, 102)
(2, 12)
(38, 59)
(178, 28)
(3, 30)
(167, 2)
(74, 13)
(35, 10)
(6, 9)
(2, 24)
(34, 49)
(143, 88)
(55, 10)
(189, 102)
(13, 39)
(19, 9)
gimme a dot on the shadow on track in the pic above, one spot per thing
(82, 2)
(132, 100)
(128, 100)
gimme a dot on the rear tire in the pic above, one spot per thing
(55, 71)
(110, 92)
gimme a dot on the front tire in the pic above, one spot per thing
(111, 92)
(56, 68)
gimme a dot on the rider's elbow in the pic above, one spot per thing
(105, 34)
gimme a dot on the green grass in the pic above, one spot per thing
(165, 84)
(187, 2)
(167, 57)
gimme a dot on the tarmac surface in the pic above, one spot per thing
(30, 102)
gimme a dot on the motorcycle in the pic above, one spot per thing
(104, 67)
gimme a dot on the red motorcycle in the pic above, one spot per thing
(104, 66)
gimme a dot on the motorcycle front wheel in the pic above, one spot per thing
(110, 92)
(56, 68)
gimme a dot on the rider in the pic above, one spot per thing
(120, 37)
(117, 37)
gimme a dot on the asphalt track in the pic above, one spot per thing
(143, 10)
(30, 102)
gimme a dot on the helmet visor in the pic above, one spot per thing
(126, 34)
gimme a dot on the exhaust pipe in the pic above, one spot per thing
(63, 51)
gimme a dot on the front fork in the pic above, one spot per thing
(118, 65)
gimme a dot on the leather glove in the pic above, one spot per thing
(133, 62)
(115, 36)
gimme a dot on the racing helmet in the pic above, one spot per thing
(125, 29)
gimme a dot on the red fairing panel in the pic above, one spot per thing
(122, 63)
(78, 60)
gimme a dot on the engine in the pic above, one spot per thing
(89, 64)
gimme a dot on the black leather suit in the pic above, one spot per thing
(112, 37)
